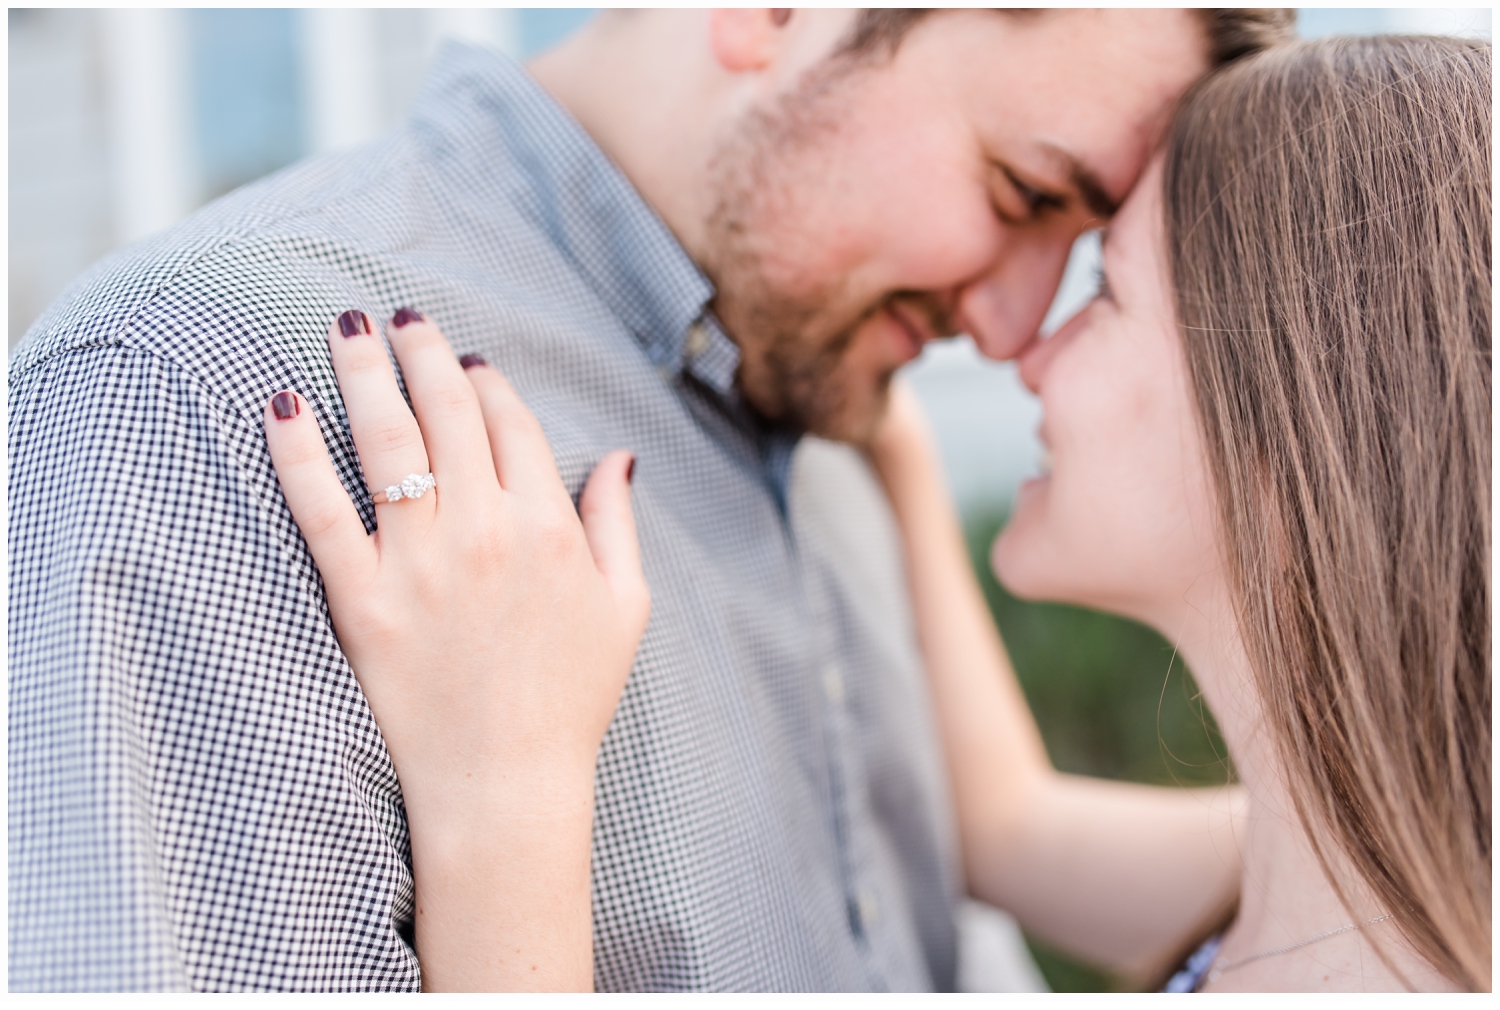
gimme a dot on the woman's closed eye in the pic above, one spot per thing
(1101, 284)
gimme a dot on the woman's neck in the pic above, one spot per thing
(1286, 897)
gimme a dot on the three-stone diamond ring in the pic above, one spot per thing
(413, 485)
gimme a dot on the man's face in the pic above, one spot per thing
(884, 203)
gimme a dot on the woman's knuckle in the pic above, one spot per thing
(424, 336)
(368, 624)
(363, 360)
(319, 521)
(554, 532)
(302, 452)
(393, 436)
(522, 417)
(488, 545)
(636, 600)
(453, 398)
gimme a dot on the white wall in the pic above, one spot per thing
(146, 99)
(102, 147)
(60, 184)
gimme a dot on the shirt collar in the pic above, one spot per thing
(597, 220)
(592, 213)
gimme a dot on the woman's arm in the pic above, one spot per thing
(491, 628)
(1119, 874)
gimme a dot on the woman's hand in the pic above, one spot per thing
(491, 628)
(1074, 859)
(903, 440)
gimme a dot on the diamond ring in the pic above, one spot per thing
(413, 485)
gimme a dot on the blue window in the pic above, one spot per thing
(247, 93)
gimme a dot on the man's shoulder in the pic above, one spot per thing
(238, 298)
(182, 294)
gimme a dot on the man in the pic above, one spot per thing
(697, 235)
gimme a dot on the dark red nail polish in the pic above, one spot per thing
(630, 471)
(354, 323)
(405, 317)
(285, 406)
(471, 361)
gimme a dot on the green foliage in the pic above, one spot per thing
(1112, 699)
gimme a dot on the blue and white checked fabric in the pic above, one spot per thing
(199, 797)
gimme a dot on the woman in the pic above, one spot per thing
(1290, 482)
(1270, 441)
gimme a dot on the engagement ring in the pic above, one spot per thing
(415, 485)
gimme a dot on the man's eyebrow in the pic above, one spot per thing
(1094, 195)
(1087, 183)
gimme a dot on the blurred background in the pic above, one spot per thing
(122, 122)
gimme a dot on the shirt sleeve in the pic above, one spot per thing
(198, 796)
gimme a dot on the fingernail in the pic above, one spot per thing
(405, 317)
(354, 323)
(630, 471)
(285, 406)
(471, 360)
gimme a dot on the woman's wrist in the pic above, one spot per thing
(906, 466)
(519, 792)
(502, 891)
(541, 819)
(902, 452)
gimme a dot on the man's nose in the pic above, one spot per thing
(1003, 309)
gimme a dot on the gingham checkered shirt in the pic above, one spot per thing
(199, 796)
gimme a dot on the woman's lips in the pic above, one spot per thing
(1030, 490)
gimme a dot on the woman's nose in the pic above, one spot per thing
(1036, 357)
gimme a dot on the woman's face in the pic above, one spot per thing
(1123, 521)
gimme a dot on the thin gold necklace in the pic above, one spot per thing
(1220, 967)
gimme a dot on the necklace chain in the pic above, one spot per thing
(1220, 967)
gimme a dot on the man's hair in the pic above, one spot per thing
(1232, 32)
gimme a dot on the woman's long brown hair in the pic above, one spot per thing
(1328, 219)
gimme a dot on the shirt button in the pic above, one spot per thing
(833, 684)
(697, 340)
(869, 908)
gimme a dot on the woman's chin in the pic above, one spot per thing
(1015, 554)
(1032, 557)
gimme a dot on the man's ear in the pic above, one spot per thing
(746, 38)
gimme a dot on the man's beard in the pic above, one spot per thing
(792, 357)
(794, 339)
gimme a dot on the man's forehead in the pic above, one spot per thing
(1089, 93)
(1102, 152)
